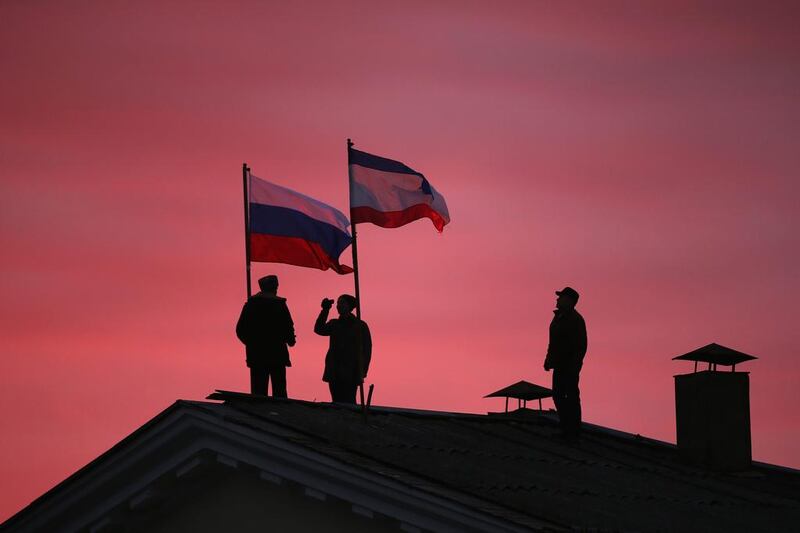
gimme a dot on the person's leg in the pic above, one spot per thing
(349, 392)
(558, 397)
(278, 377)
(576, 402)
(343, 392)
(258, 381)
(571, 419)
(334, 391)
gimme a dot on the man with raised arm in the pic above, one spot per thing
(349, 351)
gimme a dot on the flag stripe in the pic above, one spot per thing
(292, 251)
(399, 196)
(385, 191)
(267, 193)
(395, 219)
(285, 222)
(390, 194)
(357, 157)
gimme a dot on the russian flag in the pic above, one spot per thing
(389, 194)
(289, 227)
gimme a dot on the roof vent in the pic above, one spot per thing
(523, 391)
(713, 410)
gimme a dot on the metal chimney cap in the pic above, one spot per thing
(716, 354)
(522, 390)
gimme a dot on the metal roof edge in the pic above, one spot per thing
(75, 476)
(80, 487)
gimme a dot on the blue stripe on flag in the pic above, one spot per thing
(363, 159)
(285, 222)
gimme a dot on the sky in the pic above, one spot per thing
(644, 153)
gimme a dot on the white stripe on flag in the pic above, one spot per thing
(390, 191)
(267, 193)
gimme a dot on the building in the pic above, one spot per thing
(245, 463)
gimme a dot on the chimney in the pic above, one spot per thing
(712, 410)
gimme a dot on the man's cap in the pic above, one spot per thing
(270, 281)
(569, 292)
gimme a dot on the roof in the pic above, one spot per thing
(522, 390)
(716, 354)
(428, 470)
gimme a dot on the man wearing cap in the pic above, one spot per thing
(265, 327)
(349, 348)
(565, 353)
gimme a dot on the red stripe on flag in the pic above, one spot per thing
(292, 251)
(395, 219)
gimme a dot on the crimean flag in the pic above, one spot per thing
(389, 194)
(289, 227)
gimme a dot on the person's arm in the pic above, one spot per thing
(290, 336)
(366, 346)
(548, 358)
(582, 342)
(322, 326)
(243, 324)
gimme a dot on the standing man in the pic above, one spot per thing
(565, 354)
(266, 328)
(349, 351)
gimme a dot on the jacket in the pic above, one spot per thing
(349, 350)
(567, 346)
(265, 327)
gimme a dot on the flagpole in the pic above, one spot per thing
(355, 241)
(246, 196)
(355, 274)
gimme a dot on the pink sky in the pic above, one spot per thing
(647, 156)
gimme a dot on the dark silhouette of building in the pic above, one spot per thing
(265, 327)
(246, 463)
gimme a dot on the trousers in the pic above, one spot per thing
(567, 398)
(261, 376)
(343, 391)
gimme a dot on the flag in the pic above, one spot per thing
(390, 194)
(289, 227)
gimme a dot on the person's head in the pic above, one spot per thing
(345, 304)
(268, 284)
(567, 299)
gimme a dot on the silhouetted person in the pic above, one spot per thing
(350, 349)
(565, 354)
(265, 327)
